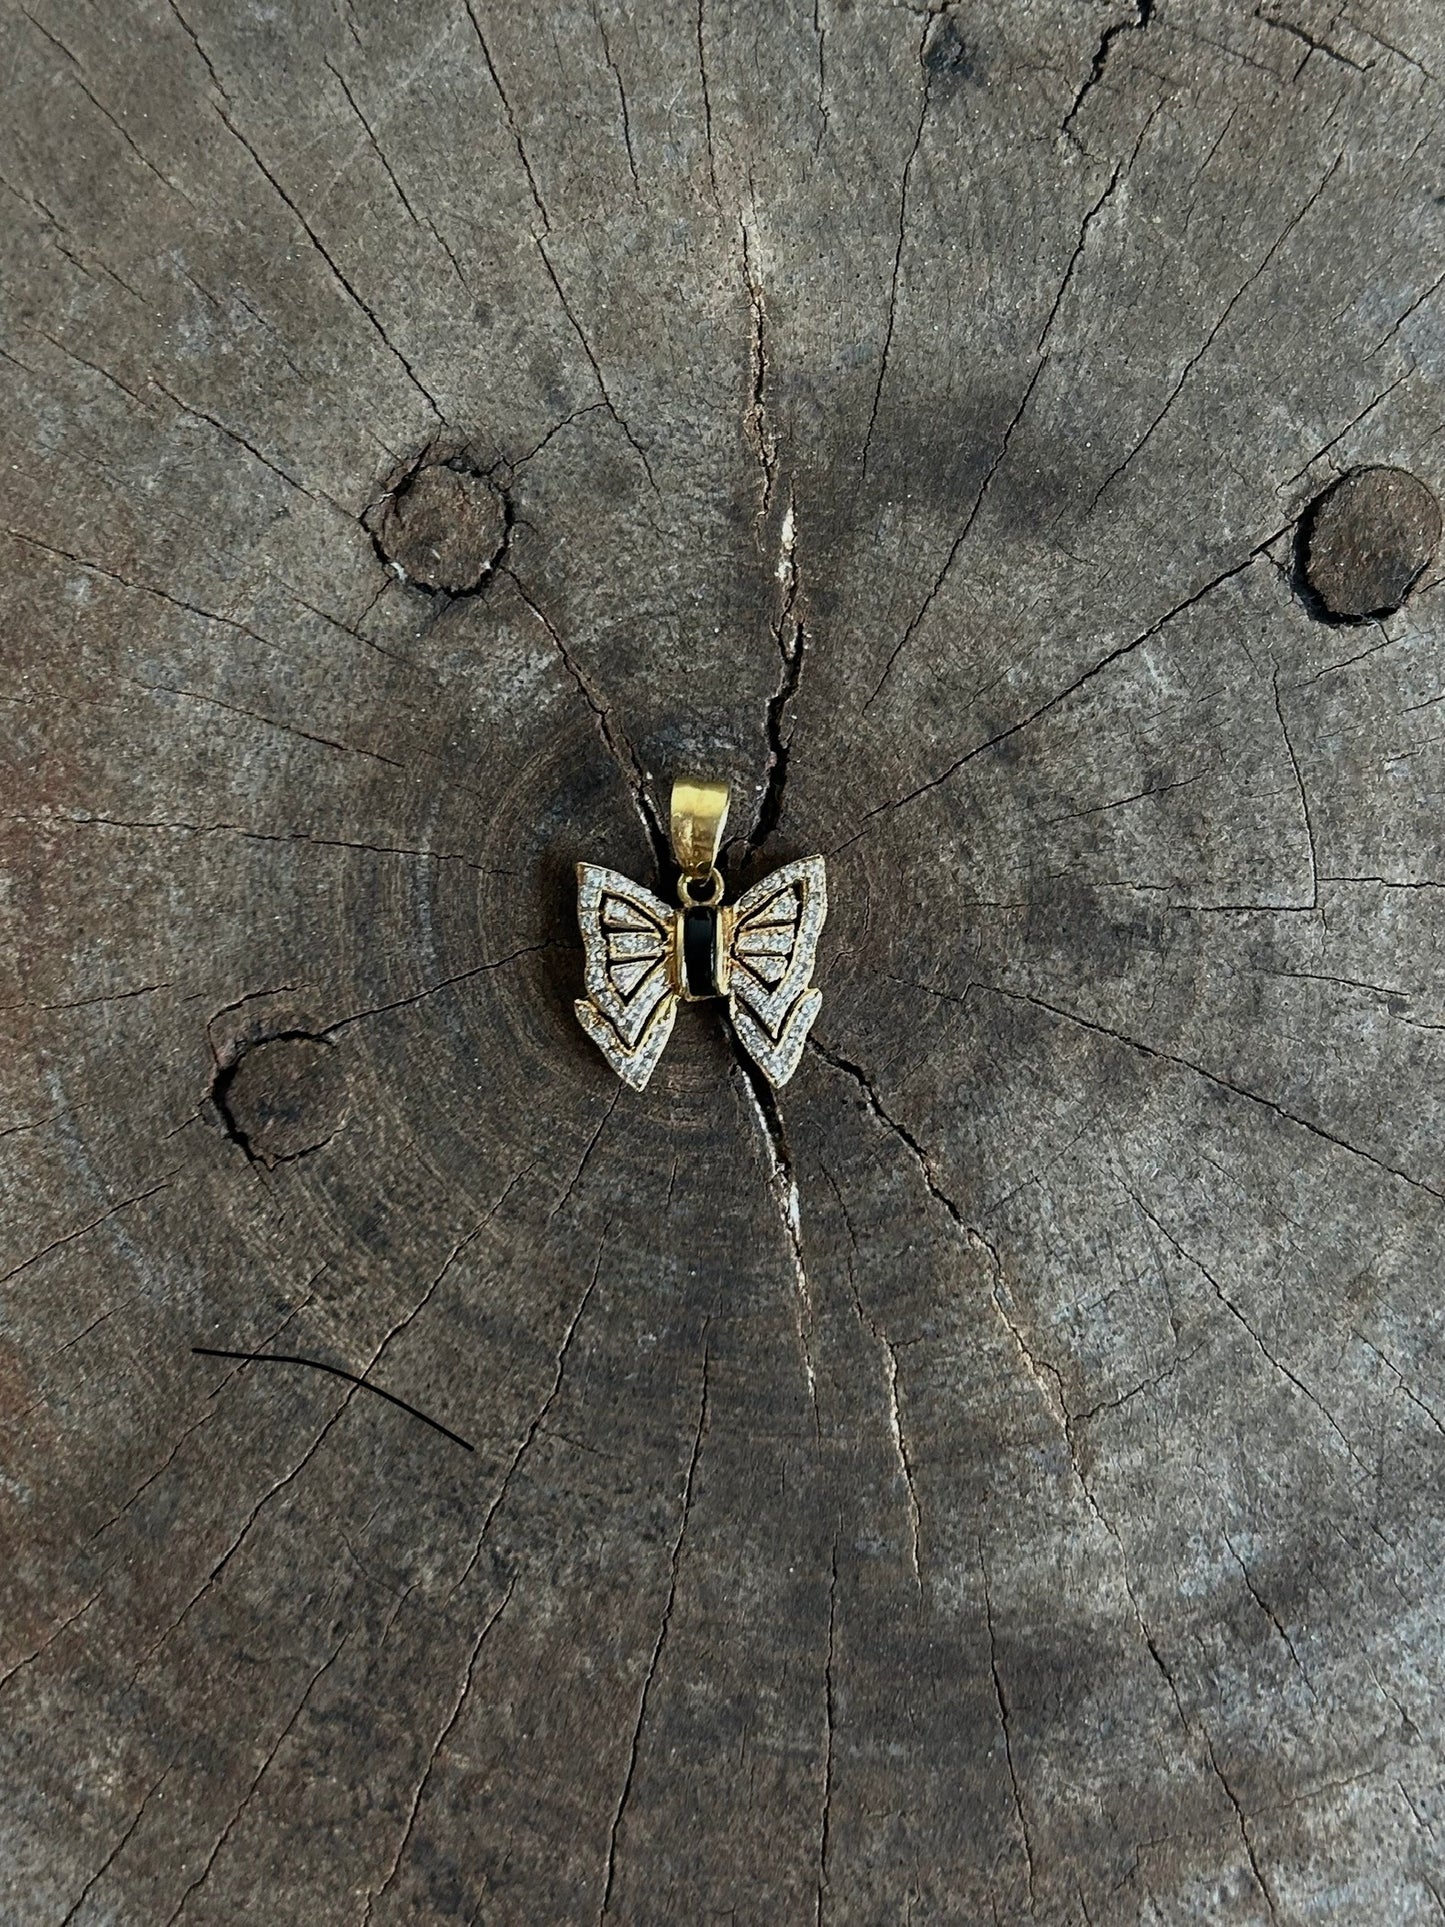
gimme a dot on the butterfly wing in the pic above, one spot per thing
(627, 936)
(772, 946)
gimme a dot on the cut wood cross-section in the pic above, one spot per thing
(996, 1478)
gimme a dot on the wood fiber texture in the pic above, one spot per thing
(999, 1480)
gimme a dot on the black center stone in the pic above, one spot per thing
(699, 951)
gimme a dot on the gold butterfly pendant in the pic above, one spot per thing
(643, 958)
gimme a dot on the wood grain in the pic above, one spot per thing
(1001, 1482)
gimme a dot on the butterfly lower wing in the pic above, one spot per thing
(772, 947)
(633, 1066)
(627, 936)
(777, 1057)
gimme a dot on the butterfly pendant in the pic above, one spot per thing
(643, 958)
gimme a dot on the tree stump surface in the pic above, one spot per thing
(999, 1479)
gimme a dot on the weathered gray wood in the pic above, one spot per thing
(1004, 1482)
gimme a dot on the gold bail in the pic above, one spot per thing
(699, 812)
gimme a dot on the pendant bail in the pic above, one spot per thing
(699, 812)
